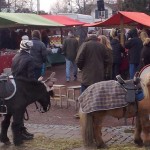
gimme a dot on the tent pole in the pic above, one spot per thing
(61, 35)
(122, 30)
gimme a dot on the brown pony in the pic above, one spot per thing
(91, 123)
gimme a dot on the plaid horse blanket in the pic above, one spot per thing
(103, 95)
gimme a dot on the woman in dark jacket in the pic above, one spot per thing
(134, 46)
(117, 49)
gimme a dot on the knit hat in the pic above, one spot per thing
(25, 37)
(26, 45)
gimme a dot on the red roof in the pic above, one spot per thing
(63, 20)
(128, 18)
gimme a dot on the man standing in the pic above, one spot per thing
(70, 48)
(92, 59)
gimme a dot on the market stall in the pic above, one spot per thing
(12, 21)
(57, 39)
(122, 19)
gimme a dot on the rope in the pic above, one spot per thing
(27, 115)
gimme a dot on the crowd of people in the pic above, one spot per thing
(101, 58)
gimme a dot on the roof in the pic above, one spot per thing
(25, 19)
(63, 20)
(128, 18)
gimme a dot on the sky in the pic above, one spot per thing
(45, 4)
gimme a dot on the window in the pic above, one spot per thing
(101, 14)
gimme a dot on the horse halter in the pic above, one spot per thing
(40, 109)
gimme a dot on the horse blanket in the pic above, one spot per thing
(103, 95)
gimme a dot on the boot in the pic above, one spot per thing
(26, 135)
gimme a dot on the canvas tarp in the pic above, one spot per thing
(24, 19)
(63, 20)
(127, 18)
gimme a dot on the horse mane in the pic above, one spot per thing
(145, 83)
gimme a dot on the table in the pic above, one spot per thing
(60, 93)
(73, 93)
(5, 61)
(55, 58)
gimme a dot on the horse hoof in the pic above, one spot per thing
(101, 146)
(5, 140)
(7, 143)
(147, 144)
(18, 143)
(139, 142)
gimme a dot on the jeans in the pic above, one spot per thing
(132, 70)
(68, 68)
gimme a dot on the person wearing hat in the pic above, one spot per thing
(23, 67)
(22, 63)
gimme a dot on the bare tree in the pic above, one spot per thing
(70, 6)
(21, 5)
(60, 7)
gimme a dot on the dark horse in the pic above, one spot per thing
(27, 92)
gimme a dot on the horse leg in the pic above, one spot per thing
(16, 128)
(145, 128)
(137, 133)
(97, 127)
(4, 128)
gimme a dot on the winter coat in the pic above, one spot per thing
(23, 65)
(92, 59)
(38, 52)
(108, 70)
(70, 48)
(134, 46)
(117, 49)
(145, 56)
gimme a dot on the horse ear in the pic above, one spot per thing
(50, 80)
(40, 78)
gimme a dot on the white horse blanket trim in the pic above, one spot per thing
(103, 95)
(13, 82)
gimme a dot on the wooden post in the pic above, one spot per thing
(122, 30)
(61, 35)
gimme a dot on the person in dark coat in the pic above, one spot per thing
(92, 59)
(117, 50)
(38, 52)
(23, 63)
(134, 46)
(145, 54)
(70, 48)
(23, 67)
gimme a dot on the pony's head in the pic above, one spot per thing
(45, 101)
(145, 83)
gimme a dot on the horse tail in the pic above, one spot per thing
(86, 121)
